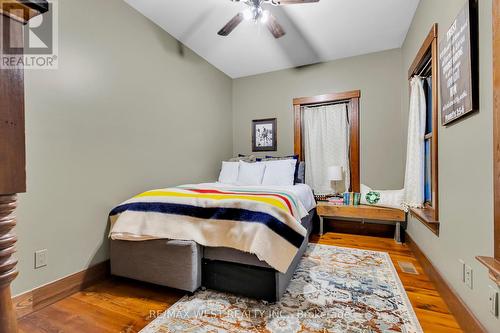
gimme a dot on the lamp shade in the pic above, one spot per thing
(335, 173)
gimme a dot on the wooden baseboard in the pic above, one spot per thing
(465, 318)
(43, 296)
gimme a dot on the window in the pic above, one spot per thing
(425, 65)
(428, 173)
(351, 98)
(326, 124)
(428, 136)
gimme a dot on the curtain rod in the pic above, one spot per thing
(325, 104)
(424, 69)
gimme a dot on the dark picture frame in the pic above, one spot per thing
(264, 134)
(459, 79)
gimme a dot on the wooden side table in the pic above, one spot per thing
(367, 214)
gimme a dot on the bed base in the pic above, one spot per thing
(183, 265)
(248, 280)
(245, 280)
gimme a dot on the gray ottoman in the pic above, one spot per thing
(171, 263)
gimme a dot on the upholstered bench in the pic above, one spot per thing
(150, 261)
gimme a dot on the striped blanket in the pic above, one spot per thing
(264, 223)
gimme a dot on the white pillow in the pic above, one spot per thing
(279, 172)
(251, 173)
(390, 199)
(229, 172)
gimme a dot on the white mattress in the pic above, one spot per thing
(302, 191)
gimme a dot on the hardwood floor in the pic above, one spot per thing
(120, 305)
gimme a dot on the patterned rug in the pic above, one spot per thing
(333, 290)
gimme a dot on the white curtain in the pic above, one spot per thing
(415, 160)
(326, 143)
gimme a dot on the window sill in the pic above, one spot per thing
(426, 216)
(493, 266)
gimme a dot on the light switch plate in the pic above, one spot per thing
(493, 300)
(468, 276)
(462, 270)
(40, 258)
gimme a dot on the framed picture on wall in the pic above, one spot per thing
(264, 135)
(459, 70)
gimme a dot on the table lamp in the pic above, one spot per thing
(334, 175)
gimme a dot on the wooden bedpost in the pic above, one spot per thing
(8, 263)
(14, 15)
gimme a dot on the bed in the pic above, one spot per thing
(246, 240)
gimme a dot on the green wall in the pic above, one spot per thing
(377, 75)
(125, 112)
(465, 167)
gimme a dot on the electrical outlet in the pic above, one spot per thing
(41, 258)
(462, 270)
(493, 300)
(468, 276)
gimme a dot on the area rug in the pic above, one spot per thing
(333, 290)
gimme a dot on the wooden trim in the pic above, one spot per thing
(354, 146)
(12, 169)
(435, 126)
(12, 148)
(426, 216)
(496, 122)
(8, 271)
(351, 97)
(43, 296)
(431, 36)
(493, 264)
(297, 116)
(327, 98)
(464, 316)
(12, 129)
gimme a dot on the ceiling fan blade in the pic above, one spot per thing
(231, 25)
(292, 2)
(274, 26)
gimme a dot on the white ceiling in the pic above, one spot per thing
(316, 32)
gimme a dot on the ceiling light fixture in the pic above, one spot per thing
(247, 14)
(257, 14)
(265, 17)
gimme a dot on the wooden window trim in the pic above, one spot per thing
(493, 263)
(351, 97)
(429, 214)
(425, 216)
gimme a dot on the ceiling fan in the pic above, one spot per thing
(257, 14)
